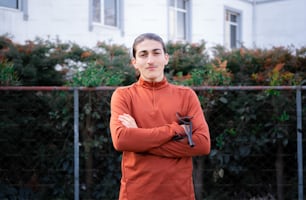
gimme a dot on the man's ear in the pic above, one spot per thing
(133, 62)
(166, 58)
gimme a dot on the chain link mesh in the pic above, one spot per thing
(253, 154)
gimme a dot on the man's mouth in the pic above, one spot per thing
(151, 68)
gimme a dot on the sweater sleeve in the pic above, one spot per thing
(200, 135)
(136, 139)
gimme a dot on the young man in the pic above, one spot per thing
(144, 124)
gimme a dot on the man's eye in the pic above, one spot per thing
(143, 54)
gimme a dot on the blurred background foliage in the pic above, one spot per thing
(36, 127)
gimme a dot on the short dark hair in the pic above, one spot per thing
(148, 36)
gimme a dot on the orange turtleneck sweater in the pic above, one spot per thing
(153, 165)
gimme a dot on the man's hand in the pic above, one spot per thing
(127, 120)
(186, 120)
(186, 129)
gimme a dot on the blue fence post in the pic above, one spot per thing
(76, 143)
(299, 142)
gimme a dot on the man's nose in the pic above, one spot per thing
(150, 58)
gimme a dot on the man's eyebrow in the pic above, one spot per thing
(145, 51)
(157, 49)
(142, 51)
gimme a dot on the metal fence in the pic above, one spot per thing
(69, 165)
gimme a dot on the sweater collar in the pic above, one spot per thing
(152, 85)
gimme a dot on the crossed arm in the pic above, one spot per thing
(128, 136)
(160, 144)
(129, 122)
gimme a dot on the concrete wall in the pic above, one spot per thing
(208, 20)
(145, 16)
(278, 22)
(281, 23)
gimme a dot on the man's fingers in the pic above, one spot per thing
(127, 120)
(125, 117)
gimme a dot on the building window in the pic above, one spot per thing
(232, 29)
(10, 4)
(20, 5)
(178, 18)
(105, 12)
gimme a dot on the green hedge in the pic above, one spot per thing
(250, 130)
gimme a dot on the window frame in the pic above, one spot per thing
(101, 21)
(22, 6)
(173, 29)
(18, 5)
(228, 31)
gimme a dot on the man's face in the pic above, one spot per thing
(150, 59)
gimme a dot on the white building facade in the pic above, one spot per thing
(231, 23)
